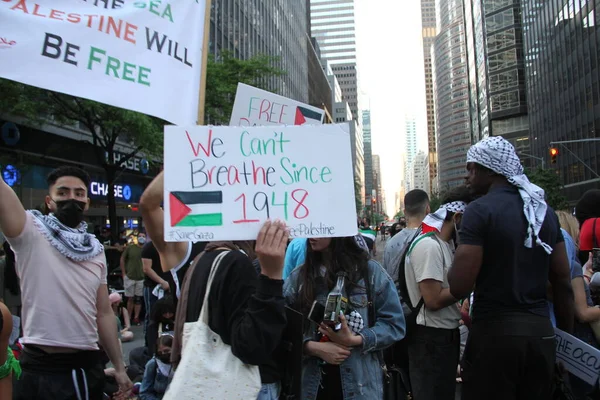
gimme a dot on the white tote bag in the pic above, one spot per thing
(208, 369)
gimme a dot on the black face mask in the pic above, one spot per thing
(165, 358)
(69, 212)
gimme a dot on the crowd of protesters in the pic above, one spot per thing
(468, 294)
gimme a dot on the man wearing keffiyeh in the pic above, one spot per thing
(510, 247)
(433, 349)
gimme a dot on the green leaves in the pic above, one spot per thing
(222, 77)
(357, 194)
(105, 123)
(548, 180)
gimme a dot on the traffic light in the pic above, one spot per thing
(553, 154)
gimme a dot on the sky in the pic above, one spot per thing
(391, 77)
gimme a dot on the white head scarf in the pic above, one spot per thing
(436, 220)
(499, 155)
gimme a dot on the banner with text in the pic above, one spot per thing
(222, 183)
(138, 55)
(257, 107)
(578, 357)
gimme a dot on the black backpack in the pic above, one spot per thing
(397, 355)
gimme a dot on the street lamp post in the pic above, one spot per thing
(536, 158)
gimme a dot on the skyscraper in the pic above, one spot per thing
(563, 87)
(333, 25)
(451, 92)
(428, 34)
(420, 172)
(498, 101)
(366, 118)
(377, 182)
(271, 27)
(410, 123)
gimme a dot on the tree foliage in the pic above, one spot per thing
(357, 195)
(548, 180)
(224, 73)
(435, 201)
(106, 124)
(399, 215)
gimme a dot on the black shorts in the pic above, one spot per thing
(59, 376)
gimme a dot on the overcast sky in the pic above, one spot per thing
(390, 66)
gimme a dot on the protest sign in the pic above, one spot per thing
(579, 358)
(257, 107)
(139, 55)
(222, 183)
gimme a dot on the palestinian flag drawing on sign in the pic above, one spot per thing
(303, 114)
(195, 208)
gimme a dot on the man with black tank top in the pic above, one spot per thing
(510, 247)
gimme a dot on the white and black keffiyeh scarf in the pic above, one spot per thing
(73, 243)
(434, 221)
(497, 154)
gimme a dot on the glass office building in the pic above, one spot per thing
(451, 94)
(333, 25)
(562, 53)
(271, 27)
(428, 34)
(498, 100)
(368, 156)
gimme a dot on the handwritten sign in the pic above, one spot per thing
(129, 54)
(579, 358)
(256, 107)
(222, 183)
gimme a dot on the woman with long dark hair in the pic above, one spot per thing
(357, 342)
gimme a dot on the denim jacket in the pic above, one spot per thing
(361, 373)
(154, 384)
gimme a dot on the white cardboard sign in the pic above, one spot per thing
(578, 357)
(142, 55)
(223, 183)
(257, 107)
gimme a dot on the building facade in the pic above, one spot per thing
(451, 94)
(26, 162)
(562, 51)
(319, 91)
(333, 24)
(420, 172)
(378, 205)
(368, 155)
(276, 28)
(342, 113)
(428, 34)
(410, 132)
(498, 100)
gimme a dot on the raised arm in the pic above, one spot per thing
(171, 253)
(12, 213)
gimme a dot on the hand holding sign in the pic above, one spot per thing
(270, 248)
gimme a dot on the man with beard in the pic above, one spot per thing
(510, 247)
(66, 310)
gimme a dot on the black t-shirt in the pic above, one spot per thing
(178, 273)
(149, 252)
(513, 277)
(246, 310)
